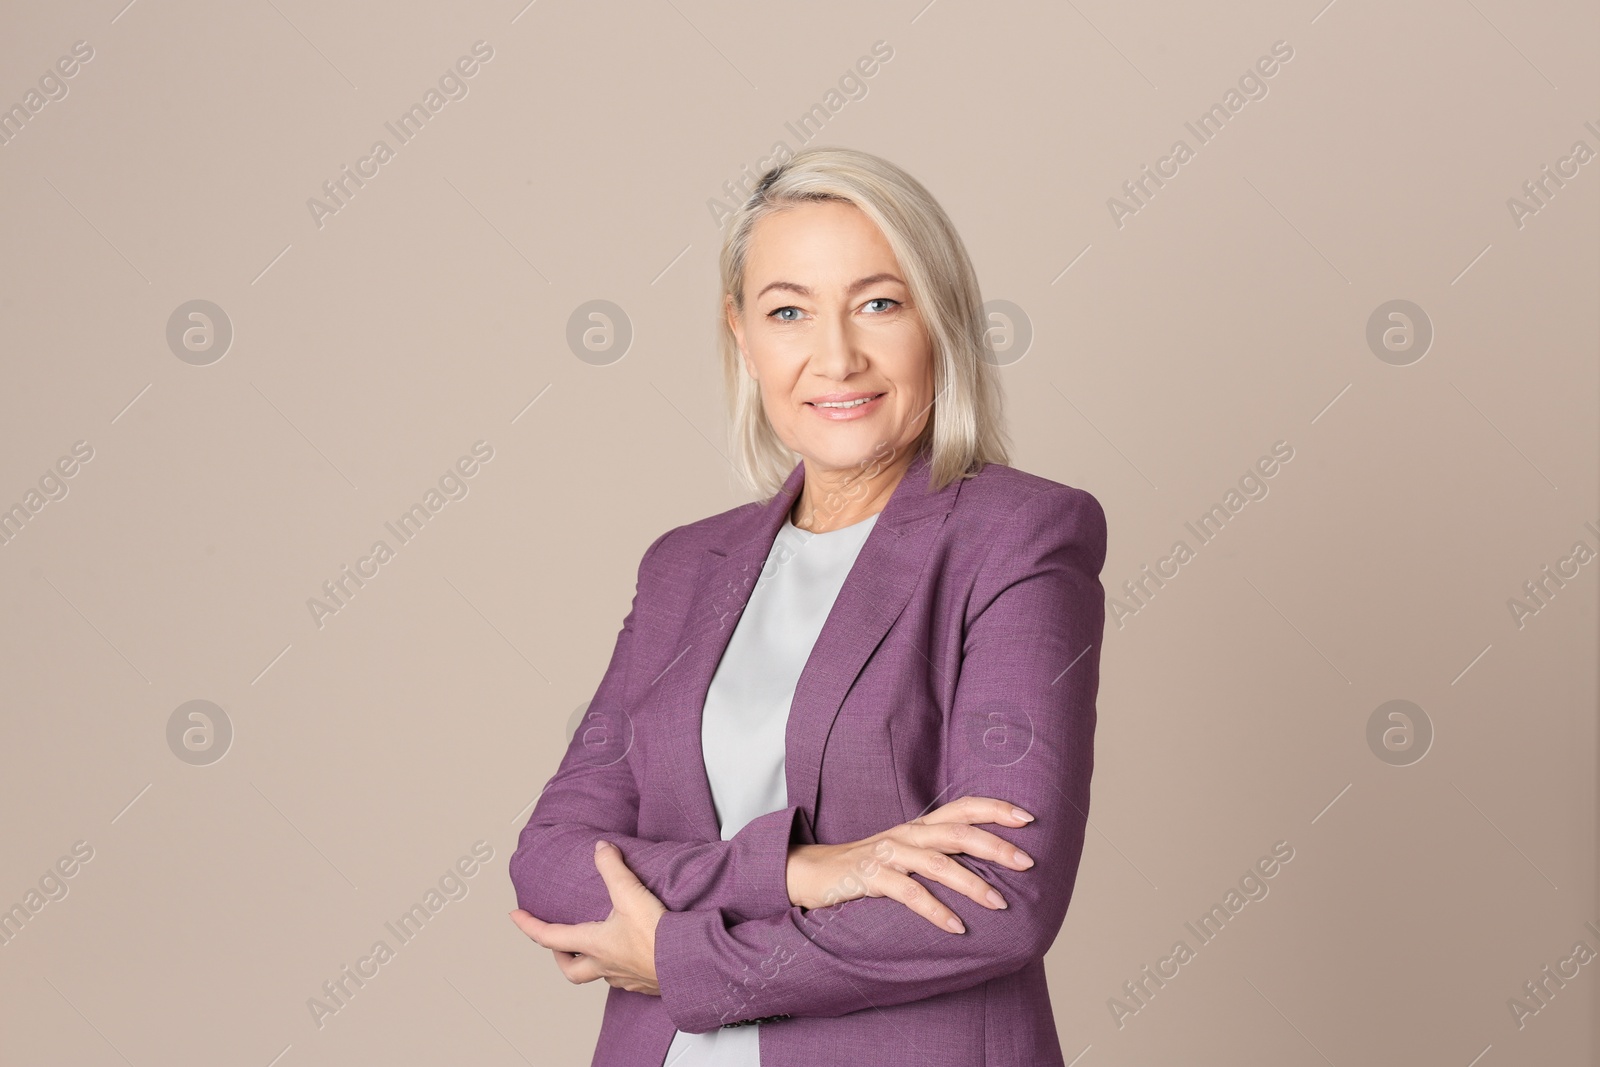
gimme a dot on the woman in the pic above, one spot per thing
(821, 709)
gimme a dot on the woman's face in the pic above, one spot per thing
(828, 318)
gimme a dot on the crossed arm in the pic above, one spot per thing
(1021, 729)
(594, 795)
(732, 948)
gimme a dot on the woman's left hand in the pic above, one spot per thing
(622, 948)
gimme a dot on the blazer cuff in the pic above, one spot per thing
(760, 850)
(690, 990)
(760, 853)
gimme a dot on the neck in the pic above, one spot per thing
(834, 499)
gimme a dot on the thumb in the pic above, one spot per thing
(623, 885)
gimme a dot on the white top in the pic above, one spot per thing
(747, 709)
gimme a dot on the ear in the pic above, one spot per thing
(737, 327)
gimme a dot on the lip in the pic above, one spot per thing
(860, 411)
(835, 398)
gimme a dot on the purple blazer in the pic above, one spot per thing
(961, 657)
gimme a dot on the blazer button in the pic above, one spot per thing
(758, 1019)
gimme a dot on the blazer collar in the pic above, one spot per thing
(909, 503)
(886, 570)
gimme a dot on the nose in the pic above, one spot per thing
(838, 354)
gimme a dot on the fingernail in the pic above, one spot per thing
(1024, 860)
(953, 924)
(996, 899)
(598, 845)
(1020, 814)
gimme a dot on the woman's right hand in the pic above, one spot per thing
(881, 865)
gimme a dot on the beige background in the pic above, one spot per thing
(1168, 354)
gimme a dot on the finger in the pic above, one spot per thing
(634, 985)
(914, 895)
(578, 969)
(951, 838)
(938, 867)
(620, 880)
(980, 844)
(974, 809)
(575, 938)
(526, 922)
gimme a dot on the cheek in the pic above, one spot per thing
(913, 365)
(777, 380)
(918, 378)
(773, 391)
(775, 401)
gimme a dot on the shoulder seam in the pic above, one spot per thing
(1026, 503)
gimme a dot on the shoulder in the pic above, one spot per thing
(687, 543)
(999, 510)
(1003, 505)
(1036, 543)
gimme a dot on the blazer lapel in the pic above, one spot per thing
(887, 569)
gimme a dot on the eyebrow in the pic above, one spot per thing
(859, 284)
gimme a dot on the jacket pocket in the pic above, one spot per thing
(894, 763)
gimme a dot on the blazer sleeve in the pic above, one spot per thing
(1021, 729)
(594, 794)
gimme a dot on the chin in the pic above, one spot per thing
(859, 450)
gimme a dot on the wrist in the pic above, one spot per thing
(796, 875)
(649, 970)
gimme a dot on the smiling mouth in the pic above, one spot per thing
(845, 405)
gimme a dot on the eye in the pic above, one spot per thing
(778, 313)
(882, 300)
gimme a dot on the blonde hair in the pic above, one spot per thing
(964, 429)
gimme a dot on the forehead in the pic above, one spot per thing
(824, 239)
